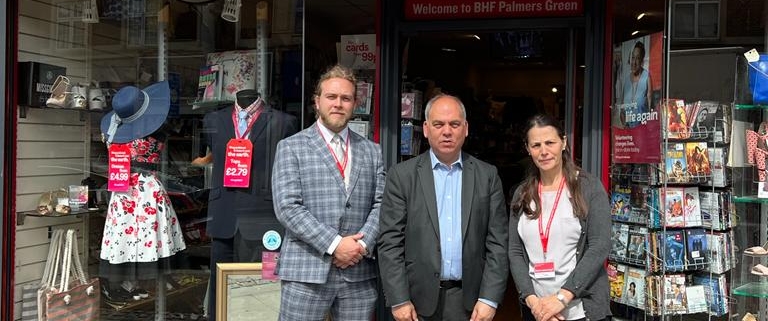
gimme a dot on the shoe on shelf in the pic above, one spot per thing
(96, 99)
(114, 294)
(60, 94)
(79, 97)
(760, 270)
(757, 250)
(749, 317)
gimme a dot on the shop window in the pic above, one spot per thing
(696, 19)
(69, 27)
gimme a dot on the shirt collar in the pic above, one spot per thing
(328, 134)
(436, 162)
(256, 106)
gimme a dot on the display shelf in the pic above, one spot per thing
(753, 289)
(20, 216)
(750, 107)
(23, 110)
(750, 199)
(209, 104)
(183, 292)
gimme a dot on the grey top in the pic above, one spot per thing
(589, 280)
(563, 238)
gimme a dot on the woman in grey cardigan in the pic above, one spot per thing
(560, 229)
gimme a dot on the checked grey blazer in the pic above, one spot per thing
(313, 205)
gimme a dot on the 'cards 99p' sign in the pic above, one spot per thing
(358, 51)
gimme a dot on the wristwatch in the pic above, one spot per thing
(560, 297)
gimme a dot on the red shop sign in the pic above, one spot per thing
(466, 9)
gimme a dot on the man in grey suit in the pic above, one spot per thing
(327, 184)
(442, 249)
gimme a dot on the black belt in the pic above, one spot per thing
(449, 284)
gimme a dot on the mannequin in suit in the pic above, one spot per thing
(238, 217)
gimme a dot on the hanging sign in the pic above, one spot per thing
(465, 9)
(119, 168)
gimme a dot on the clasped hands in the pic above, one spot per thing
(545, 308)
(349, 251)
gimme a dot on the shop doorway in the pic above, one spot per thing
(503, 77)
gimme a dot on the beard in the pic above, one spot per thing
(336, 124)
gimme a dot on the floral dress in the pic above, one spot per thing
(141, 224)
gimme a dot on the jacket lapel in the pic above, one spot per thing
(228, 127)
(467, 193)
(359, 158)
(260, 124)
(427, 181)
(320, 147)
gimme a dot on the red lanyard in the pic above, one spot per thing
(252, 119)
(341, 166)
(544, 234)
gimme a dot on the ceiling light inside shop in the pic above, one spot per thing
(90, 11)
(231, 11)
(554, 89)
(448, 49)
(635, 32)
(476, 37)
(640, 16)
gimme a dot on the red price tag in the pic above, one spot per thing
(119, 179)
(237, 163)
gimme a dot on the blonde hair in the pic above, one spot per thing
(336, 71)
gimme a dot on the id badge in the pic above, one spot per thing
(237, 163)
(545, 270)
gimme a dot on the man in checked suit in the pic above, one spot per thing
(238, 217)
(327, 193)
(442, 248)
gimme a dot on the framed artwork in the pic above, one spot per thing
(241, 293)
(360, 127)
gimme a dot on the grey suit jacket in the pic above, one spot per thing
(409, 242)
(313, 205)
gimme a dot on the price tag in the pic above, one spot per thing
(237, 163)
(119, 168)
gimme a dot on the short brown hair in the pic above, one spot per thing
(337, 71)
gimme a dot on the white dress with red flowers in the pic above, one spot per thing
(141, 224)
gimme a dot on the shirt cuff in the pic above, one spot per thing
(489, 302)
(365, 247)
(399, 304)
(334, 244)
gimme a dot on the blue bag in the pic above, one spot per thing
(758, 80)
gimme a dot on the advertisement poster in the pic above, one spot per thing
(358, 51)
(635, 115)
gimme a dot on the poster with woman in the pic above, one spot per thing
(635, 116)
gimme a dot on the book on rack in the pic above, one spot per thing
(677, 118)
(674, 294)
(209, 83)
(674, 250)
(715, 209)
(719, 246)
(637, 244)
(638, 199)
(691, 207)
(634, 293)
(711, 120)
(653, 294)
(697, 159)
(676, 164)
(620, 236)
(715, 291)
(696, 299)
(718, 177)
(621, 207)
(696, 253)
(673, 207)
(616, 273)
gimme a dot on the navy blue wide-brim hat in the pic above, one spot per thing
(136, 113)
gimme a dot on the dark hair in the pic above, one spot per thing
(638, 45)
(529, 186)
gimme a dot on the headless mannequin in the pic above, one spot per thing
(246, 97)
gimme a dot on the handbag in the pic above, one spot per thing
(81, 301)
(48, 203)
(758, 80)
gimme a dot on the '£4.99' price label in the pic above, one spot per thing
(119, 172)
